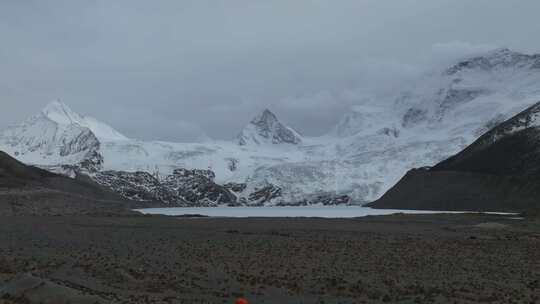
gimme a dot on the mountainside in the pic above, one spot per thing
(498, 172)
(30, 190)
(511, 148)
(269, 163)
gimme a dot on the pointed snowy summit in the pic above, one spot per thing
(62, 114)
(265, 128)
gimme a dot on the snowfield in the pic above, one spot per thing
(367, 152)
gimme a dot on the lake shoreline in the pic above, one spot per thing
(295, 212)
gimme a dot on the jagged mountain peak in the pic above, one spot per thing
(266, 116)
(498, 58)
(266, 128)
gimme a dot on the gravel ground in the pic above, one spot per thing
(157, 259)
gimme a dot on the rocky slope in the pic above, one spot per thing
(366, 153)
(29, 190)
(498, 172)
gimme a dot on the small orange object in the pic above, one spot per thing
(241, 301)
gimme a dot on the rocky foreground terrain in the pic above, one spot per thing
(156, 259)
(66, 240)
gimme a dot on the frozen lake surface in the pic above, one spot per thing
(328, 212)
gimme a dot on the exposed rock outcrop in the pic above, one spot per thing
(182, 188)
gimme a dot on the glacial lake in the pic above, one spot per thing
(311, 211)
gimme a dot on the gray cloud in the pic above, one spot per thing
(158, 69)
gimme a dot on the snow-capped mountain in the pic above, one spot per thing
(438, 116)
(56, 137)
(488, 89)
(267, 129)
(42, 140)
(373, 146)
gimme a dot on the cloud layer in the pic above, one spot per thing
(173, 70)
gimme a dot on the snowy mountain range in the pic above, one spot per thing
(269, 163)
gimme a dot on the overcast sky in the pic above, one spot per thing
(172, 69)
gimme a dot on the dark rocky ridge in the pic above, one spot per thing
(30, 190)
(498, 172)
